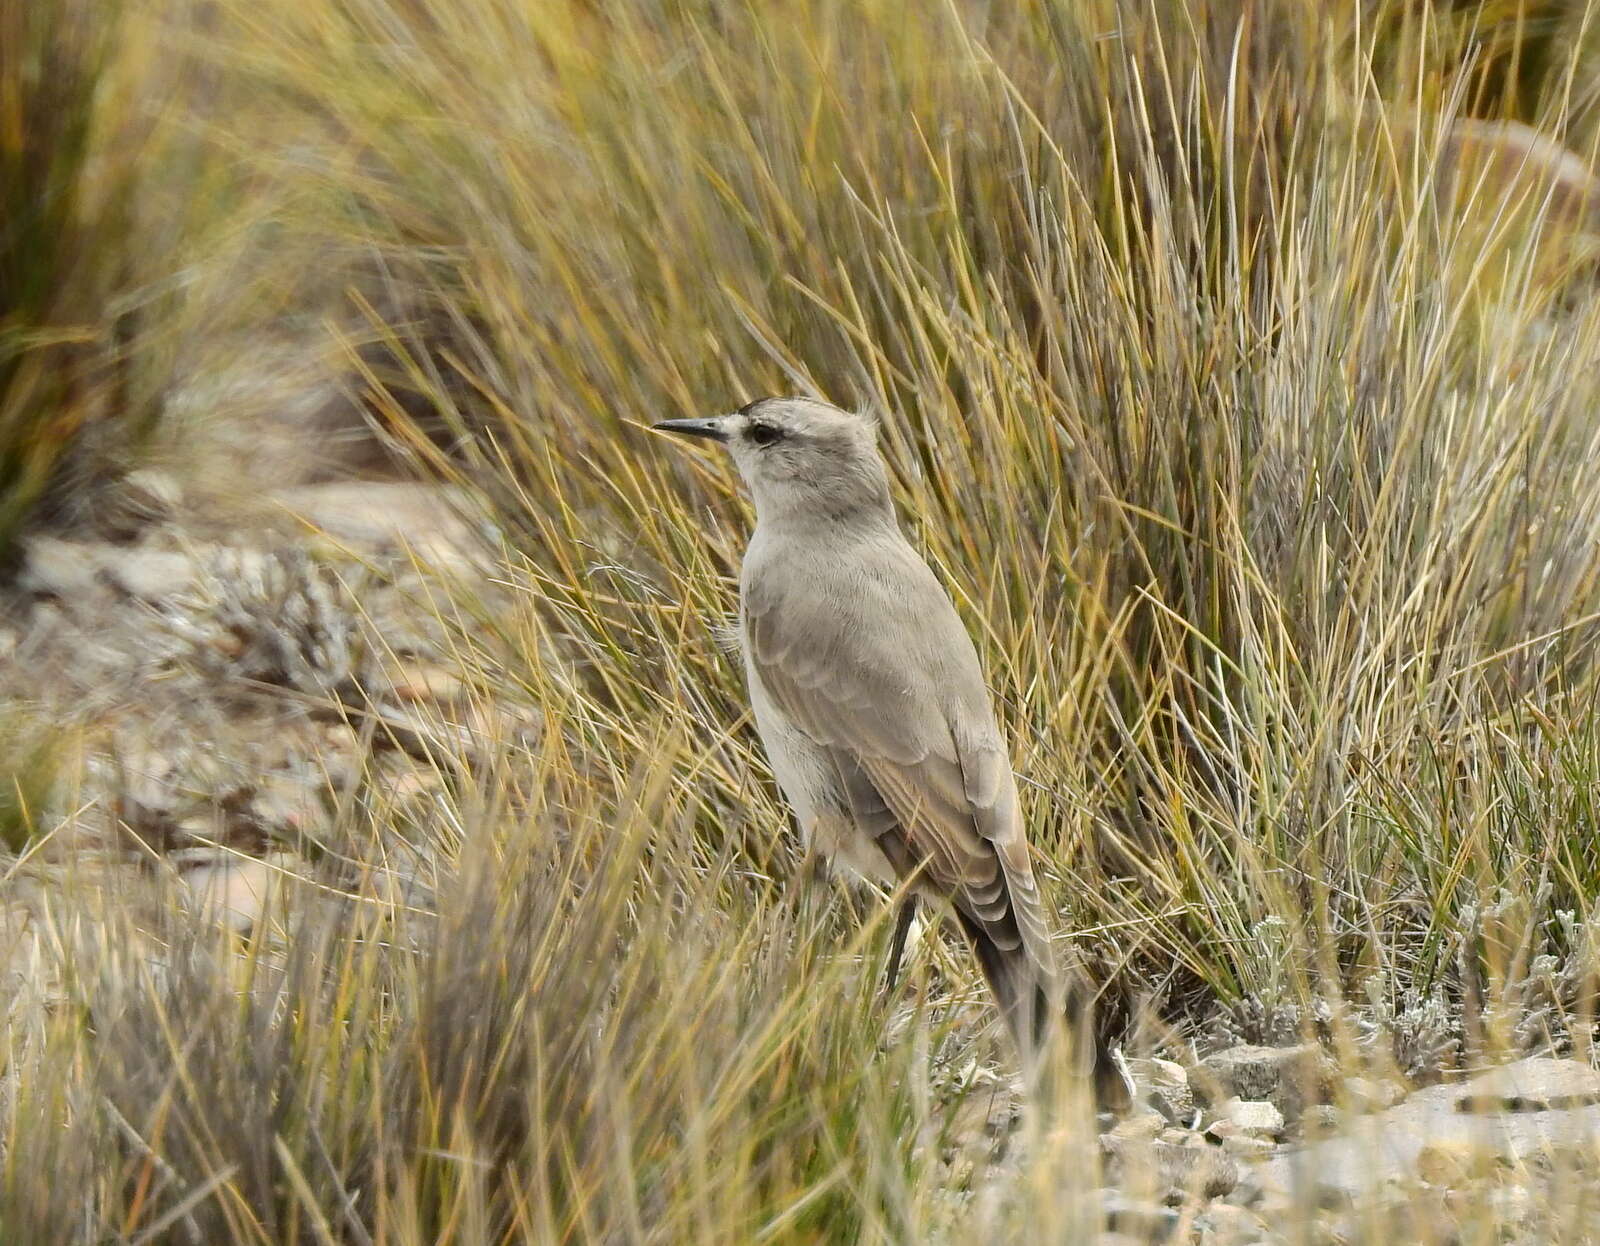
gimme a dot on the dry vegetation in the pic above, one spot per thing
(1250, 416)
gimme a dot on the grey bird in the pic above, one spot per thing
(870, 700)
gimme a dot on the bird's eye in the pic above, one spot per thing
(764, 434)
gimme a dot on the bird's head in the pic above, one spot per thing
(799, 456)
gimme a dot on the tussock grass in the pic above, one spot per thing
(1261, 470)
(99, 181)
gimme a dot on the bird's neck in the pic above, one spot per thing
(836, 506)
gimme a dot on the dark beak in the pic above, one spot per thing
(711, 429)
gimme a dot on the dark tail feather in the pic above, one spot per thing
(1034, 1017)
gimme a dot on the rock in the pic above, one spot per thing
(1223, 1224)
(1246, 1145)
(286, 803)
(1163, 1169)
(151, 574)
(1366, 1094)
(1456, 1161)
(1246, 1116)
(1143, 1221)
(1164, 1085)
(57, 568)
(1511, 1206)
(1540, 1083)
(237, 891)
(386, 517)
(1143, 1127)
(142, 497)
(1289, 1077)
(427, 681)
(422, 783)
(1429, 1136)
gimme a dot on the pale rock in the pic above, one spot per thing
(382, 517)
(1223, 1224)
(427, 682)
(1540, 1083)
(1141, 1220)
(143, 497)
(1367, 1094)
(284, 802)
(237, 891)
(1251, 1117)
(1143, 1126)
(1512, 1205)
(1455, 1161)
(1290, 1077)
(1164, 1084)
(152, 574)
(1164, 1169)
(1430, 1135)
(1247, 1145)
(59, 568)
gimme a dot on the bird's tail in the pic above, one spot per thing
(1041, 1011)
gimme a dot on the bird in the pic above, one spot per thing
(872, 707)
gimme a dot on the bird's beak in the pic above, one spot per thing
(711, 429)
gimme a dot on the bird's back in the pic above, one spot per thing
(857, 644)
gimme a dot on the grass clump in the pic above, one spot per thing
(31, 753)
(98, 194)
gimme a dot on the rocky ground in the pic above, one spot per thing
(207, 701)
(1275, 1145)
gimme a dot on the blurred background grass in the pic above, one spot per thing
(1233, 361)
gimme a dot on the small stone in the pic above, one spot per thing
(57, 568)
(1252, 1117)
(1366, 1094)
(421, 782)
(284, 803)
(1142, 1127)
(425, 681)
(1164, 1084)
(152, 574)
(1538, 1084)
(237, 891)
(1292, 1078)
(1247, 1145)
(1511, 1206)
(387, 517)
(1143, 1221)
(144, 496)
(1453, 1162)
(1224, 1224)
